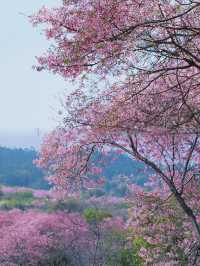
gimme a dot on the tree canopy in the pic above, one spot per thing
(136, 70)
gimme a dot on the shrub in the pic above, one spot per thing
(96, 215)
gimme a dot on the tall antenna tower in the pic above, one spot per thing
(38, 132)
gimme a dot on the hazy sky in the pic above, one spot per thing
(26, 96)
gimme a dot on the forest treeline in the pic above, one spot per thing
(17, 168)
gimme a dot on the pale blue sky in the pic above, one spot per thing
(26, 96)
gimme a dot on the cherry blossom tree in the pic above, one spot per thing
(161, 232)
(35, 238)
(39, 238)
(137, 64)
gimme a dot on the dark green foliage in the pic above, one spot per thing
(1, 194)
(19, 200)
(56, 259)
(70, 205)
(127, 258)
(22, 195)
(123, 255)
(17, 169)
(96, 215)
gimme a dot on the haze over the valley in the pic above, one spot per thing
(23, 139)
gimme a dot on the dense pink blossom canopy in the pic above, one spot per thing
(136, 68)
